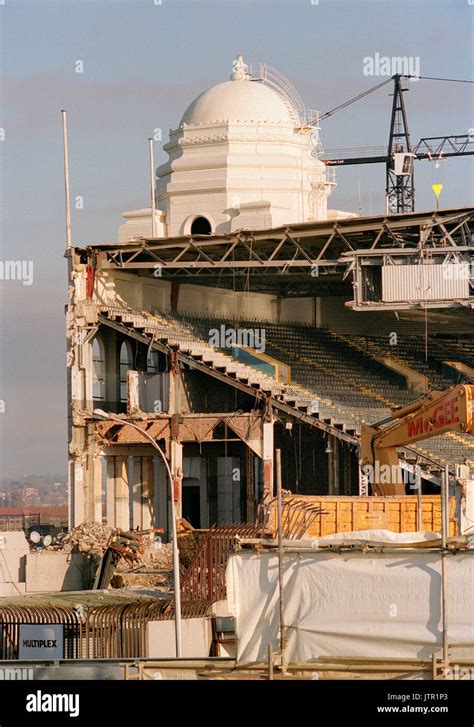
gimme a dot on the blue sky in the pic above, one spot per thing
(142, 65)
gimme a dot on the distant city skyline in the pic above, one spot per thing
(125, 69)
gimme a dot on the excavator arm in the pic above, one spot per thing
(435, 413)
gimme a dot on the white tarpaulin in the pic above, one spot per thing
(354, 604)
(373, 537)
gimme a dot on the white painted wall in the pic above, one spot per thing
(126, 289)
(196, 638)
(14, 548)
(226, 303)
(114, 287)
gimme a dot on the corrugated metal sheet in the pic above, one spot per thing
(424, 282)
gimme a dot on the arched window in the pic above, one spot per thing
(126, 361)
(98, 370)
(201, 226)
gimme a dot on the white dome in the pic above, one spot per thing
(240, 100)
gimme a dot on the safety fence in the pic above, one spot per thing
(98, 632)
(204, 578)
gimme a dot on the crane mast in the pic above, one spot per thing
(400, 188)
(400, 155)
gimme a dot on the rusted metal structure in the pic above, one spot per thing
(205, 576)
(297, 516)
(99, 632)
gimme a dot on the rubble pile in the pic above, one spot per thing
(152, 568)
(90, 538)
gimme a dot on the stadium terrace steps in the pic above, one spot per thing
(453, 349)
(348, 384)
(410, 351)
(180, 336)
(353, 380)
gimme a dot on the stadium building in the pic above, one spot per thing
(243, 316)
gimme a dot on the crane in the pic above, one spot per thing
(399, 156)
(433, 414)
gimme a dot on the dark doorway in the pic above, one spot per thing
(201, 226)
(192, 505)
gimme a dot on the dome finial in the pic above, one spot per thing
(240, 69)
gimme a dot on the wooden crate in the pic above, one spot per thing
(398, 514)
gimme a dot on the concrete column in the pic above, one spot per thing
(87, 372)
(147, 494)
(174, 386)
(142, 492)
(176, 449)
(161, 496)
(77, 491)
(110, 491)
(133, 399)
(267, 448)
(70, 492)
(122, 518)
(93, 489)
(136, 493)
(98, 463)
(76, 379)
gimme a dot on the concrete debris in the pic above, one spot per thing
(152, 567)
(90, 538)
(155, 568)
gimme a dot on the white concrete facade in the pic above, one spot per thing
(242, 157)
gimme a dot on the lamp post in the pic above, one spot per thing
(177, 592)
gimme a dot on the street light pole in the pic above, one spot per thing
(177, 589)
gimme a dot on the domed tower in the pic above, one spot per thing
(243, 156)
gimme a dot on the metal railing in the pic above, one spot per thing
(355, 153)
(99, 632)
(269, 76)
(204, 578)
